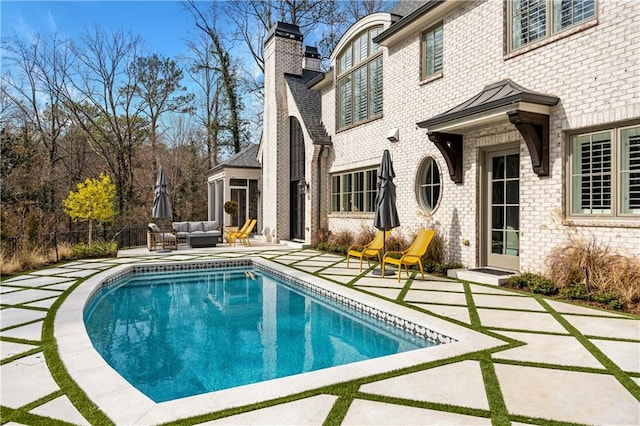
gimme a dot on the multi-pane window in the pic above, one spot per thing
(360, 80)
(532, 20)
(432, 52)
(429, 184)
(605, 173)
(354, 191)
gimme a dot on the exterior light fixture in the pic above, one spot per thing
(393, 135)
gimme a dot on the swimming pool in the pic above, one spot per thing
(174, 334)
(125, 404)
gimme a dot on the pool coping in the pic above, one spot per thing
(124, 404)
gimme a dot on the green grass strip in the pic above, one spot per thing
(471, 306)
(341, 407)
(497, 406)
(76, 395)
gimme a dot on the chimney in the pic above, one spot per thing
(311, 60)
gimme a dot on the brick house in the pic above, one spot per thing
(511, 125)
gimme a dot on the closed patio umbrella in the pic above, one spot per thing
(161, 206)
(386, 214)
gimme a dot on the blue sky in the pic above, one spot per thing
(163, 25)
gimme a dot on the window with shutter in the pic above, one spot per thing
(533, 20)
(605, 173)
(375, 89)
(432, 45)
(630, 171)
(359, 80)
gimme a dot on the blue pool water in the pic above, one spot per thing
(173, 335)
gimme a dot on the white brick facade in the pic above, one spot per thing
(593, 69)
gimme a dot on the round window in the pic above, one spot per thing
(428, 184)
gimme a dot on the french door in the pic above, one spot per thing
(502, 200)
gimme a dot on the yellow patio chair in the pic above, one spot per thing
(411, 256)
(244, 235)
(367, 251)
(230, 235)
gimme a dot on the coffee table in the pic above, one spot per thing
(202, 240)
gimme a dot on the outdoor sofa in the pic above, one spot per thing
(197, 228)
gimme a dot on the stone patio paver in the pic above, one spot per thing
(568, 396)
(625, 354)
(424, 296)
(15, 316)
(452, 286)
(9, 349)
(549, 349)
(460, 384)
(530, 321)
(507, 302)
(460, 313)
(372, 413)
(35, 281)
(606, 327)
(31, 331)
(25, 380)
(388, 293)
(24, 296)
(308, 411)
(570, 308)
(61, 409)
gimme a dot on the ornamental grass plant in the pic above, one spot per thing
(606, 276)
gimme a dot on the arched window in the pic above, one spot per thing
(296, 163)
(428, 184)
(359, 88)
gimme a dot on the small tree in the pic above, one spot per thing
(94, 200)
(231, 208)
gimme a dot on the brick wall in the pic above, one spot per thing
(595, 73)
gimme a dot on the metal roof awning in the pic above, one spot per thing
(528, 111)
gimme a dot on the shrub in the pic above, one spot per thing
(612, 300)
(321, 237)
(521, 281)
(443, 268)
(575, 291)
(339, 242)
(95, 249)
(534, 282)
(396, 242)
(542, 285)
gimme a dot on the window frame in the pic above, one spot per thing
(424, 74)
(616, 179)
(420, 184)
(360, 66)
(550, 30)
(363, 195)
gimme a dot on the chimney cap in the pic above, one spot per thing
(311, 52)
(282, 29)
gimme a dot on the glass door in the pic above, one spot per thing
(503, 210)
(239, 195)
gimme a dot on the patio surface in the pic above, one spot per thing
(554, 362)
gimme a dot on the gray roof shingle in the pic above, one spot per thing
(309, 103)
(245, 159)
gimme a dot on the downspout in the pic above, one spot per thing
(319, 187)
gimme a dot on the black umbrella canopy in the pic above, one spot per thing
(386, 214)
(161, 207)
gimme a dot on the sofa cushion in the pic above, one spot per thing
(195, 226)
(180, 226)
(210, 226)
(153, 227)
